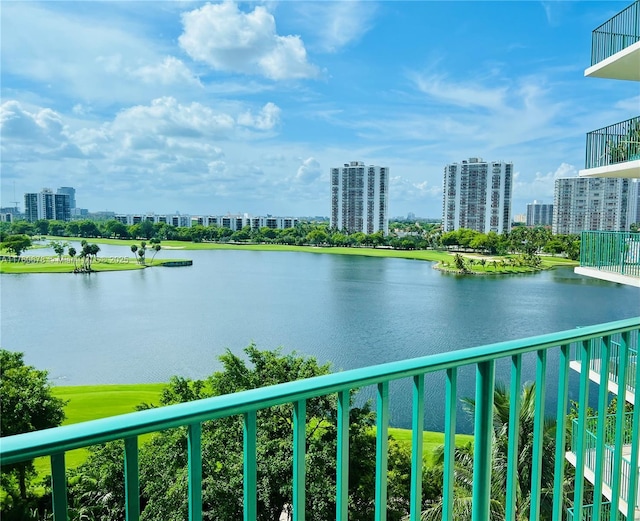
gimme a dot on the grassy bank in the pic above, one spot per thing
(424, 255)
(45, 264)
(91, 402)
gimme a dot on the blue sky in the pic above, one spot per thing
(209, 108)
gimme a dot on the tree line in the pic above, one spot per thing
(403, 236)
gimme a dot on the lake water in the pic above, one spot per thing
(147, 325)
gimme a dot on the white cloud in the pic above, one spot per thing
(267, 119)
(459, 93)
(542, 185)
(337, 24)
(308, 171)
(170, 71)
(228, 39)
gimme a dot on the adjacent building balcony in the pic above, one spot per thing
(615, 47)
(614, 151)
(612, 256)
(606, 460)
(516, 360)
(589, 513)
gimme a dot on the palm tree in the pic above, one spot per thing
(463, 466)
(134, 249)
(72, 253)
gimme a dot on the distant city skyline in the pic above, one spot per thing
(139, 108)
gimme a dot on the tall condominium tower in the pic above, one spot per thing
(47, 205)
(71, 192)
(594, 204)
(539, 214)
(477, 195)
(360, 198)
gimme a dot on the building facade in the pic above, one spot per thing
(539, 214)
(71, 192)
(360, 198)
(593, 204)
(233, 222)
(477, 195)
(47, 205)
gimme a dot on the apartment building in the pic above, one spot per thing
(47, 205)
(539, 214)
(360, 198)
(601, 204)
(233, 222)
(477, 195)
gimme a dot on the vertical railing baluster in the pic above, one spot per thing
(483, 431)
(299, 456)
(538, 435)
(561, 417)
(417, 435)
(634, 478)
(59, 487)
(342, 457)
(194, 452)
(513, 455)
(579, 444)
(250, 466)
(623, 362)
(451, 409)
(603, 394)
(131, 479)
(382, 444)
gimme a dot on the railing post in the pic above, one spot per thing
(417, 434)
(131, 479)
(342, 457)
(59, 487)
(299, 456)
(194, 451)
(623, 361)
(561, 414)
(603, 393)
(538, 435)
(250, 466)
(514, 435)
(382, 445)
(483, 432)
(451, 409)
(634, 478)
(579, 444)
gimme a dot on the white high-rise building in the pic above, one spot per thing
(477, 195)
(360, 198)
(594, 203)
(47, 205)
(539, 214)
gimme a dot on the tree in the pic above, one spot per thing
(463, 462)
(72, 253)
(156, 249)
(58, 248)
(163, 459)
(16, 244)
(27, 405)
(134, 249)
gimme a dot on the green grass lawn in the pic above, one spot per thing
(53, 265)
(91, 402)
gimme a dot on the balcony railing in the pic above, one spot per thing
(611, 465)
(614, 144)
(589, 513)
(556, 347)
(616, 34)
(615, 252)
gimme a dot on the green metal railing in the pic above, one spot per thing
(589, 514)
(616, 34)
(614, 144)
(616, 252)
(56, 442)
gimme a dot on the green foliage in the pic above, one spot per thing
(96, 488)
(16, 244)
(27, 405)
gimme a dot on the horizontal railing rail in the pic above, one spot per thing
(614, 144)
(616, 34)
(55, 442)
(589, 514)
(616, 252)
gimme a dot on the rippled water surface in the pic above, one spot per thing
(144, 326)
